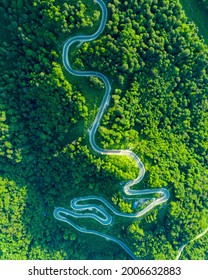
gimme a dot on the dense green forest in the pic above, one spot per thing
(157, 65)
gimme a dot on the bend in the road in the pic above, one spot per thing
(104, 217)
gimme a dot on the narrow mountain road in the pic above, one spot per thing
(90, 210)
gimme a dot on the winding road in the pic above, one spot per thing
(85, 207)
(195, 238)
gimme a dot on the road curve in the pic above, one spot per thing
(195, 238)
(98, 212)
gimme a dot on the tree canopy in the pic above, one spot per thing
(157, 65)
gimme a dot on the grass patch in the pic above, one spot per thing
(198, 15)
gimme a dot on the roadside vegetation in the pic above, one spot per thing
(157, 63)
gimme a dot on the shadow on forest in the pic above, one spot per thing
(52, 179)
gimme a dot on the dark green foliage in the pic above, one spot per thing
(204, 4)
(158, 67)
(196, 11)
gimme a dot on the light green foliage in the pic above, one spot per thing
(14, 238)
(163, 65)
(157, 65)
